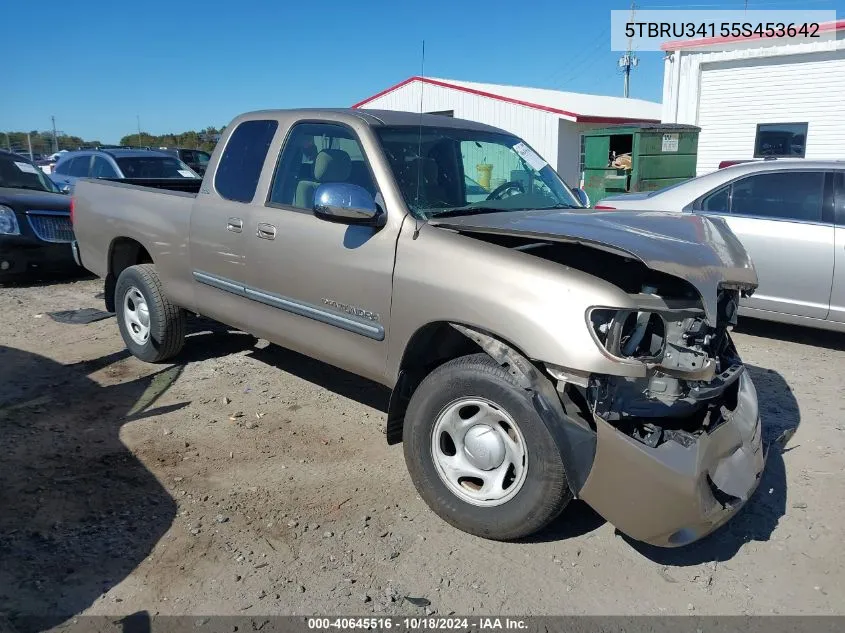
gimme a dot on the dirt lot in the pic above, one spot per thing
(250, 480)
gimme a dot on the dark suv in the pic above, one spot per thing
(117, 163)
(35, 228)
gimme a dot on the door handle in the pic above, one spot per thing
(266, 231)
(235, 225)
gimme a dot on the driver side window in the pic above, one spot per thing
(317, 153)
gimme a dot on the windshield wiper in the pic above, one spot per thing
(561, 205)
(470, 210)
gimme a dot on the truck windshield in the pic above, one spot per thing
(154, 167)
(454, 171)
(17, 172)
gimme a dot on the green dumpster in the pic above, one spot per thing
(638, 157)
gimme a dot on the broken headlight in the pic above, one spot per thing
(629, 334)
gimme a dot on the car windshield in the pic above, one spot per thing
(154, 167)
(18, 173)
(451, 171)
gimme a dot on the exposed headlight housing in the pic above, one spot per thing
(629, 334)
(8, 221)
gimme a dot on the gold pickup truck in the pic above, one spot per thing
(536, 350)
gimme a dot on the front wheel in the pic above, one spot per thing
(152, 328)
(479, 454)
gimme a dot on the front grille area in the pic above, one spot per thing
(51, 226)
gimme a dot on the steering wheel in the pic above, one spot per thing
(497, 193)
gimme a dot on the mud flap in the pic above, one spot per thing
(575, 441)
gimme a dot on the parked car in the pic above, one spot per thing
(35, 228)
(535, 350)
(196, 159)
(790, 215)
(130, 164)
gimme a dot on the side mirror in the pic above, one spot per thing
(582, 196)
(346, 203)
(65, 188)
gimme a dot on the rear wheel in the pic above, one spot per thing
(479, 454)
(152, 328)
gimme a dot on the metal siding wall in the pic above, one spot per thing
(759, 85)
(736, 96)
(539, 129)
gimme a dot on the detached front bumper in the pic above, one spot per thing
(683, 489)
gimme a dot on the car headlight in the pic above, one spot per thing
(629, 334)
(8, 221)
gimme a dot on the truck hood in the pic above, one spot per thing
(701, 250)
(23, 199)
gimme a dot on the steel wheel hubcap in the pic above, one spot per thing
(136, 315)
(479, 452)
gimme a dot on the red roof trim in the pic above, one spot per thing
(675, 45)
(579, 118)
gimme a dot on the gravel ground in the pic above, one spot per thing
(248, 479)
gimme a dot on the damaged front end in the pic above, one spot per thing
(679, 449)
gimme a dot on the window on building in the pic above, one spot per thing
(240, 166)
(781, 139)
(317, 153)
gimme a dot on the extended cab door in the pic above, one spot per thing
(219, 237)
(322, 288)
(778, 216)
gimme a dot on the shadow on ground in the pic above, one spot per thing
(35, 280)
(326, 376)
(79, 511)
(758, 519)
(792, 333)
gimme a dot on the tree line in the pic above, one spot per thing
(204, 139)
(42, 141)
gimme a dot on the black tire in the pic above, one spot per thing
(167, 321)
(545, 491)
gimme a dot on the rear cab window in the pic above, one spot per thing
(243, 158)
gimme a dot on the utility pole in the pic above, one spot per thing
(55, 138)
(629, 61)
(29, 144)
(8, 142)
(138, 119)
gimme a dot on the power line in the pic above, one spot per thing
(576, 59)
(585, 63)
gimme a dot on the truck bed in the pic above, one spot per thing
(156, 215)
(188, 185)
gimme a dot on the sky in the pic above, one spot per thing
(192, 64)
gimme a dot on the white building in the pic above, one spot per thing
(757, 98)
(549, 120)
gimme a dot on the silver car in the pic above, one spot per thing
(790, 216)
(117, 163)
